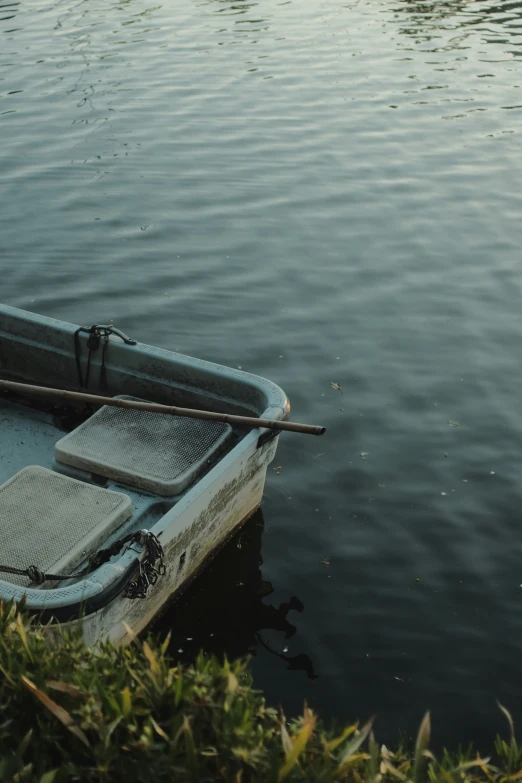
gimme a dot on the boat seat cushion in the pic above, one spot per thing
(55, 522)
(155, 452)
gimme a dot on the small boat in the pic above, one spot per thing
(108, 512)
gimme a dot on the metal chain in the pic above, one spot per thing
(150, 568)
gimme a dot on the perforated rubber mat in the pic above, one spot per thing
(155, 452)
(54, 522)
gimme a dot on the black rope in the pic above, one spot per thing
(77, 355)
(35, 574)
(103, 369)
(149, 570)
(93, 342)
(96, 332)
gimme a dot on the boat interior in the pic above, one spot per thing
(135, 465)
(30, 431)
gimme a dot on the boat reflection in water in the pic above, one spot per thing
(224, 612)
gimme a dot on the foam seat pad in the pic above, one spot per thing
(155, 452)
(55, 522)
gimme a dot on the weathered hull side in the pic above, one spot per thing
(203, 528)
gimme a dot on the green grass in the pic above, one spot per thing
(132, 714)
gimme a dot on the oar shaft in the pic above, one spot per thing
(153, 407)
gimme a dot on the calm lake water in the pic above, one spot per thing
(318, 192)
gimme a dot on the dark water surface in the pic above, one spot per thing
(317, 192)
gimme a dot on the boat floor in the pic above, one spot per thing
(28, 437)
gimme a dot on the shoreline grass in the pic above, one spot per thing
(133, 714)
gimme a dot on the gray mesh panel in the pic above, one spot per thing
(151, 451)
(54, 522)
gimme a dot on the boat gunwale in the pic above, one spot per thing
(274, 397)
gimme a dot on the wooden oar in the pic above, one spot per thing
(153, 407)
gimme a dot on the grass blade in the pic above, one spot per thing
(349, 730)
(149, 655)
(510, 721)
(298, 744)
(62, 715)
(355, 744)
(423, 739)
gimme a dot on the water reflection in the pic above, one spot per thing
(234, 8)
(224, 611)
(429, 12)
(300, 662)
(246, 25)
(426, 20)
(8, 10)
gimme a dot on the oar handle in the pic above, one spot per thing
(154, 407)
